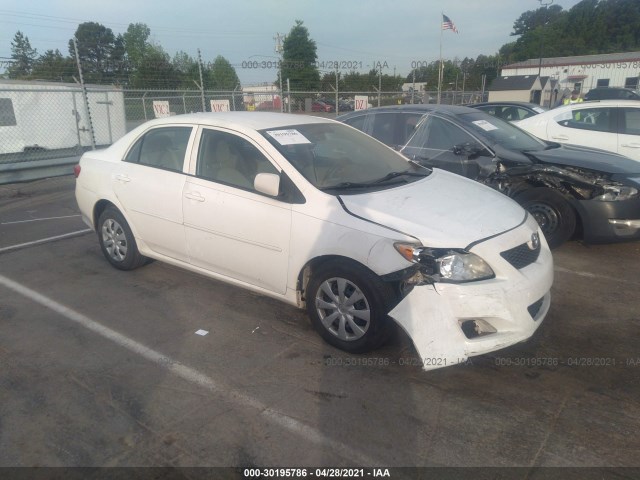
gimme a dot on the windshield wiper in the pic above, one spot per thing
(347, 185)
(376, 182)
(392, 175)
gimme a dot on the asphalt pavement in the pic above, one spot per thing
(104, 368)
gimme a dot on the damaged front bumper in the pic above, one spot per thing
(448, 323)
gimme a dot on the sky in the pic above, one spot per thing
(394, 34)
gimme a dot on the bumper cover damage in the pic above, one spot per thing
(448, 323)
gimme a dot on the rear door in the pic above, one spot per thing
(149, 183)
(629, 134)
(590, 126)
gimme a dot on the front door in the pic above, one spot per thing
(231, 229)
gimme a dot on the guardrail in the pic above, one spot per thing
(17, 172)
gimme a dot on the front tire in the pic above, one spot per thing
(117, 241)
(348, 306)
(556, 217)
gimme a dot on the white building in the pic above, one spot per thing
(584, 72)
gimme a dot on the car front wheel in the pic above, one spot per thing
(348, 306)
(554, 214)
(117, 242)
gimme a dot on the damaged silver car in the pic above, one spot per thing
(573, 192)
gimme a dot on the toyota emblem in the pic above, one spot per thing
(535, 242)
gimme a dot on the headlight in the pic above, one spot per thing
(445, 264)
(615, 193)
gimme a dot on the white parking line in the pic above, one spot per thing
(45, 240)
(39, 219)
(191, 375)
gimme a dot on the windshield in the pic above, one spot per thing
(500, 132)
(335, 156)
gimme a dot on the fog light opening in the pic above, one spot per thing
(476, 327)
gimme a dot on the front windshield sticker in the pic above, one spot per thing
(483, 124)
(288, 137)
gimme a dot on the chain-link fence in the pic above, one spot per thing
(46, 126)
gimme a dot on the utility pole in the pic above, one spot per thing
(85, 96)
(379, 83)
(544, 29)
(204, 106)
(413, 88)
(279, 50)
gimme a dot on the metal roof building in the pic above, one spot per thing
(584, 72)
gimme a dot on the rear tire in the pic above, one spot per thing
(348, 306)
(117, 241)
(556, 217)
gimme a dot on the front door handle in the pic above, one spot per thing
(631, 145)
(194, 196)
(560, 137)
(123, 178)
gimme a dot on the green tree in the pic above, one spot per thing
(589, 27)
(155, 71)
(53, 66)
(136, 42)
(533, 19)
(299, 57)
(186, 68)
(99, 53)
(222, 75)
(23, 56)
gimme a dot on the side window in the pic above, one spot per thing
(433, 146)
(408, 123)
(594, 119)
(7, 115)
(491, 110)
(357, 122)
(631, 121)
(227, 158)
(383, 127)
(444, 135)
(162, 148)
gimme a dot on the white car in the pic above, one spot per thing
(612, 125)
(319, 215)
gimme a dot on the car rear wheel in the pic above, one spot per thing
(348, 306)
(117, 242)
(554, 214)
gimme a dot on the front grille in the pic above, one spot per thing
(521, 256)
(534, 308)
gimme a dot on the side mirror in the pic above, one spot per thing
(470, 150)
(267, 183)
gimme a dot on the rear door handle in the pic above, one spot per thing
(631, 145)
(560, 137)
(194, 196)
(123, 178)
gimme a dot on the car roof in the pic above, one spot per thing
(450, 110)
(510, 103)
(239, 120)
(613, 89)
(609, 102)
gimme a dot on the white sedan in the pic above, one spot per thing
(319, 215)
(612, 125)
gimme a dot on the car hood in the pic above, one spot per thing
(442, 210)
(588, 158)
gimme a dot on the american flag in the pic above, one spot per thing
(447, 24)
